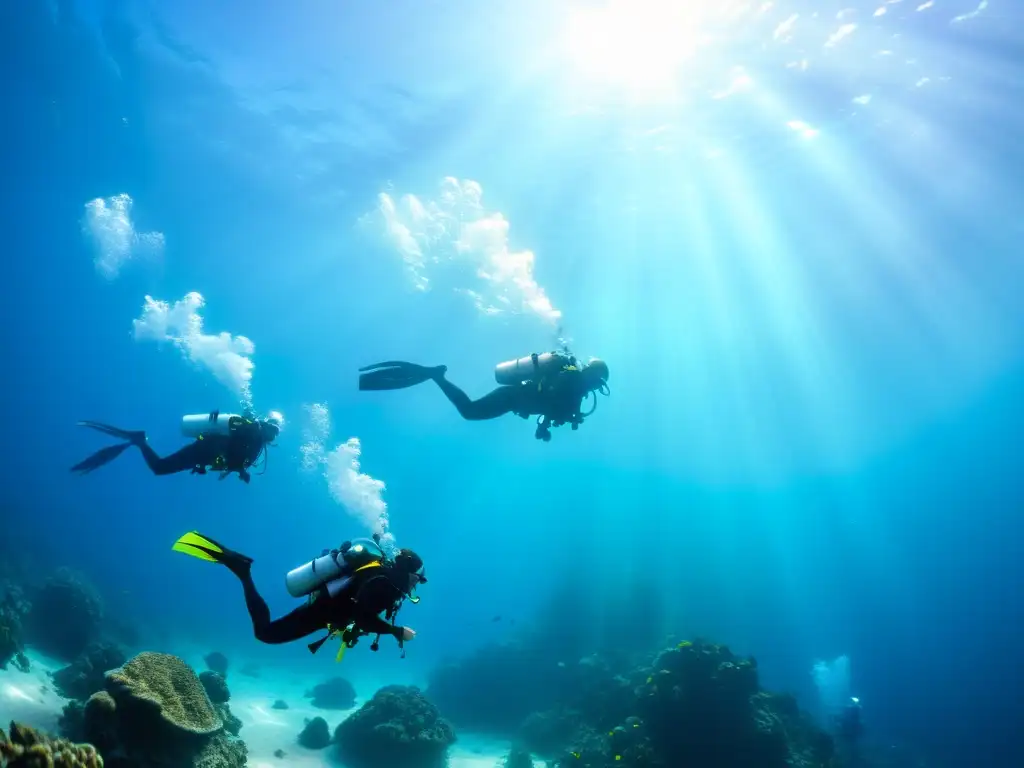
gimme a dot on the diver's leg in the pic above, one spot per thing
(192, 455)
(304, 620)
(496, 403)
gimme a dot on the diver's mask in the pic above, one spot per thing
(271, 426)
(414, 580)
(596, 376)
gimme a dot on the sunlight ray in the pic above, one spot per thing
(782, 301)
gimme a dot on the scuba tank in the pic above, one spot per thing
(198, 424)
(330, 566)
(530, 368)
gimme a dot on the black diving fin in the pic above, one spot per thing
(132, 436)
(101, 457)
(395, 374)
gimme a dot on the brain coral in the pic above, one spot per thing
(168, 684)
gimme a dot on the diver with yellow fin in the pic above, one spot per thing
(347, 590)
(551, 386)
(223, 442)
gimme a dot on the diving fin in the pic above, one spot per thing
(316, 644)
(132, 436)
(101, 457)
(395, 374)
(195, 544)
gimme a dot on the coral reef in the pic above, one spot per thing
(64, 617)
(717, 696)
(497, 687)
(10, 639)
(547, 732)
(316, 734)
(27, 748)
(215, 686)
(399, 727)
(518, 757)
(13, 599)
(168, 687)
(232, 724)
(12, 610)
(217, 662)
(155, 713)
(693, 704)
(85, 675)
(99, 720)
(336, 693)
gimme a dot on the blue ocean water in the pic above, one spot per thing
(792, 231)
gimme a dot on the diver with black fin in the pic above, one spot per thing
(223, 442)
(551, 386)
(347, 589)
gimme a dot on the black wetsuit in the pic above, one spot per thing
(223, 453)
(362, 602)
(558, 399)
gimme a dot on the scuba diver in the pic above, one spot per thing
(224, 442)
(848, 725)
(551, 386)
(348, 588)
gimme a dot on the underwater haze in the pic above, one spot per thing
(792, 230)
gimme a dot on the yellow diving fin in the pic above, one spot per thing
(195, 544)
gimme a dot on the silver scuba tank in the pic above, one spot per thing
(327, 569)
(197, 424)
(529, 368)
(307, 577)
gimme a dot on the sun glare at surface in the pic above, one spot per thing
(637, 45)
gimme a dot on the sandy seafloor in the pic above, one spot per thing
(29, 698)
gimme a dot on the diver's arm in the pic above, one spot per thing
(371, 623)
